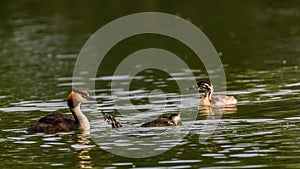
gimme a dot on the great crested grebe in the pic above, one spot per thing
(58, 122)
(209, 99)
(172, 120)
(111, 120)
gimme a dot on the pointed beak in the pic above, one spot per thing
(93, 99)
(195, 87)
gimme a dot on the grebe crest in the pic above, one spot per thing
(171, 120)
(78, 96)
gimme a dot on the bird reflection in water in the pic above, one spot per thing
(83, 146)
(204, 110)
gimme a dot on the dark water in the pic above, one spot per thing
(258, 43)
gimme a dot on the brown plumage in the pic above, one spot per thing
(59, 122)
(56, 122)
(172, 120)
(111, 120)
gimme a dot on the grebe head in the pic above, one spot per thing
(78, 96)
(175, 117)
(202, 85)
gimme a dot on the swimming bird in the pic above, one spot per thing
(111, 120)
(59, 122)
(208, 99)
(172, 120)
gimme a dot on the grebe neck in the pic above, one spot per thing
(208, 95)
(80, 118)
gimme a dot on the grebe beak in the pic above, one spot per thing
(91, 99)
(195, 87)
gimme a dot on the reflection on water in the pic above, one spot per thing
(208, 111)
(258, 129)
(260, 52)
(83, 147)
(39, 148)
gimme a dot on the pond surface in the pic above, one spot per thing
(258, 43)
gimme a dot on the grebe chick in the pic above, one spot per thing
(58, 122)
(172, 120)
(209, 99)
(111, 120)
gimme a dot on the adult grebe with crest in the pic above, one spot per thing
(59, 122)
(208, 99)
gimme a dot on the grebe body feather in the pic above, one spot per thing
(172, 120)
(59, 122)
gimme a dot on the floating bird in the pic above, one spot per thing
(172, 120)
(208, 99)
(59, 122)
